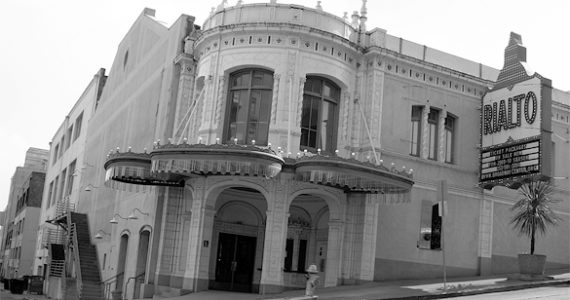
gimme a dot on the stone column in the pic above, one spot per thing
(369, 235)
(274, 247)
(359, 252)
(335, 240)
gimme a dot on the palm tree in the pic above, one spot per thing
(532, 210)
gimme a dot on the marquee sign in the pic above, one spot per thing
(511, 159)
(514, 133)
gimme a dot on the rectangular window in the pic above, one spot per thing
(415, 130)
(432, 133)
(78, 122)
(55, 153)
(61, 148)
(449, 134)
(289, 256)
(62, 187)
(55, 186)
(50, 192)
(68, 137)
(70, 176)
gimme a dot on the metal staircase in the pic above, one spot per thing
(85, 256)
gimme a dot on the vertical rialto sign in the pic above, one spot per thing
(516, 133)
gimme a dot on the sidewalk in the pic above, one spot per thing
(402, 290)
(408, 289)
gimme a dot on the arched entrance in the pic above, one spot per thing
(307, 239)
(237, 240)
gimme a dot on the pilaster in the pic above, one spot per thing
(485, 241)
(425, 131)
(206, 106)
(196, 275)
(184, 96)
(441, 132)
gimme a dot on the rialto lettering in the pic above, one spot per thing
(508, 114)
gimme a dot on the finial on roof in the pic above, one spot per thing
(355, 17)
(363, 18)
(345, 16)
(319, 7)
(222, 5)
(239, 3)
(363, 10)
(212, 11)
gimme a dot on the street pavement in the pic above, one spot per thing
(557, 292)
(402, 290)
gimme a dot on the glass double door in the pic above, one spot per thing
(235, 262)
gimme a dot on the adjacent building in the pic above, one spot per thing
(20, 226)
(235, 154)
(65, 168)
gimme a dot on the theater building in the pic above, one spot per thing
(234, 154)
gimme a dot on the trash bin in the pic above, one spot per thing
(116, 295)
(16, 286)
(35, 285)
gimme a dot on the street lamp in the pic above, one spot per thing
(115, 221)
(132, 216)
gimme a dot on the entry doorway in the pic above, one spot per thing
(235, 262)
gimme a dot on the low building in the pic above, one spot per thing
(21, 216)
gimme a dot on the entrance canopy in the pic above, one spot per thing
(171, 165)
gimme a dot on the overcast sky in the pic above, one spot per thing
(50, 50)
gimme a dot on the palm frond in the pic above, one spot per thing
(532, 212)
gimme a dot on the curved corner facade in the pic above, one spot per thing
(301, 138)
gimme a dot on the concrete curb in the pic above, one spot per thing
(488, 290)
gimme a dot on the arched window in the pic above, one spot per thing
(249, 106)
(320, 114)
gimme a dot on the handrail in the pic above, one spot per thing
(113, 277)
(73, 232)
(141, 275)
(108, 282)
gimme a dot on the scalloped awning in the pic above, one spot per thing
(352, 175)
(171, 165)
(216, 159)
(132, 168)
